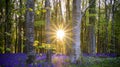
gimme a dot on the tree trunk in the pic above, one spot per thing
(16, 38)
(113, 33)
(8, 26)
(98, 32)
(117, 28)
(68, 20)
(92, 28)
(30, 31)
(1, 28)
(47, 5)
(106, 28)
(16, 27)
(76, 52)
(20, 28)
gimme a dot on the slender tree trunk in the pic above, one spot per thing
(47, 5)
(68, 19)
(106, 28)
(113, 35)
(30, 32)
(68, 11)
(117, 28)
(41, 36)
(16, 27)
(8, 26)
(92, 28)
(16, 38)
(20, 28)
(76, 52)
(1, 29)
(98, 32)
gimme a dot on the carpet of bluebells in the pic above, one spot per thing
(59, 60)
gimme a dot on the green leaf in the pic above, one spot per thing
(39, 23)
(8, 34)
(23, 10)
(87, 13)
(44, 10)
(30, 9)
(1, 48)
(36, 43)
(40, 47)
(37, 12)
(8, 49)
(92, 14)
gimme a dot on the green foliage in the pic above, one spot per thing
(2, 4)
(8, 34)
(36, 43)
(98, 62)
(23, 9)
(1, 49)
(8, 49)
(39, 23)
(30, 9)
(44, 10)
(45, 46)
(87, 13)
(92, 15)
(88, 24)
(37, 12)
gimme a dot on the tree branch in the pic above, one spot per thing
(117, 4)
(85, 9)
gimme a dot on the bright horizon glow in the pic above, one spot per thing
(60, 34)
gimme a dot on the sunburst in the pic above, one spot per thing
(60, 32)
(60, 36)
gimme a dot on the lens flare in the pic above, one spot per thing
(60, 34)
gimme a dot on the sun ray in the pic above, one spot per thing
(62, 27)
(60, 35)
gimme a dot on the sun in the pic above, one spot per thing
(60, 34)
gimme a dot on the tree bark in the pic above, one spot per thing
(92, 43)
(20, 28)
(76, 52)
(106, 28)
(8, 26)
(30, 31)
(47, 6)
(113, 32)
(98, 32)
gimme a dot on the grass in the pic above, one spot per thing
(98, 62)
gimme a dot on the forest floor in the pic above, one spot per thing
(59, 60)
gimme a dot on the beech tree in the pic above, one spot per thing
(29, 49)
(47, 6)
(78, 13)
